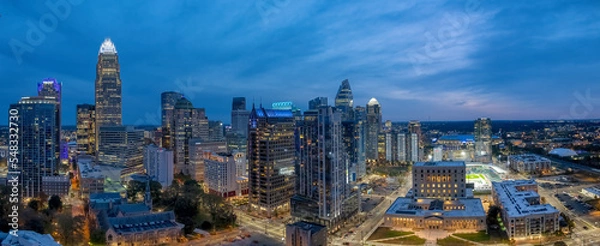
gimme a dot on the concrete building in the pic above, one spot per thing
(413, 146)
(271, 155)
(215, 130)
(220, 174)
(56, 185)
(158, 163)
(442, 180)
(86, 129)
(438, 153)
(197, 149)
(530, 164)
(591, 192)
(241, 164)
(522, 213)
(91, 179)
(121, 146)
(305, 234)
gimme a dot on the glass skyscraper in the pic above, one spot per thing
(373, 129)
(86, 129)
(49, 87)
(108, 87)
(188, 123)
(239, 116)
(168, 100)
(37, 130)
(483, 139)
(344, 100)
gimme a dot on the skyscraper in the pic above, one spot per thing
(344, 100)
(37, 143)
(373, 128)
(415, 141)
(215, 130)
(483, 139)
(271, 153)
(108, 87)
(86, 129)
(121, 146)
(317, 102)
(167, 101)
(239, 116)
(49, 87)
(158, 163)
(188, 123)
(321, 171)
(360, 119)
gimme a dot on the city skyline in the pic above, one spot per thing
(545, 69)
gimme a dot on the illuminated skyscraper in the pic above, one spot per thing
(86, 129)
(121, 146)
(373, 129)
(108, 87)
(483, 139)
(344, 100)
(271, 153)
(317, 102)
(37, 157)
(49, 87)
(239, 116)
(360, 126)
(188, 123)
(168, 100)
(415, 141)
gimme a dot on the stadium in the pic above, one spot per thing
(482, 175)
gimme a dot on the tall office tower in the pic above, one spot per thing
(483, 139)
(158, 163)
(188, 123)
(402, 154)
(197, 148)
(344, 100)
(381, 146)
(121, 146)
(360, 119)
(36, 125)
(414, 126)
(349, 142)
(108, 88)
(86, 129)
(236, 142)
(321, 185)
(413, 147)
(317, 102)
(215, 130)
(391, 146)
(271, 154)
(167, 101)
(49, 87)
(239, 116)
(373, 129)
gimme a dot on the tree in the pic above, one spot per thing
(35, 204)
(55, 203)
(492, 216)
(32, 220)
(134, 188)
(69, 229)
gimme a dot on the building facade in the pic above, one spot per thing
(373, 128)
(197, 149)
(86, 129)
(189, 123)
(220, 174)
(442, 180)
(49, 87)
(483, 140)
(108, 87)
(344, 101)
(158, 163)
(530, 164)
(239, 116)
(167, 101)
(522, 213)
(271, 153)
(91, 179)
(121, 146)
(305, 234)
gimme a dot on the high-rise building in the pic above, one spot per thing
(108, 87)
(413, 146)
(321, 170)
(373, 128)
(402, 154)
(197, 148)
(219, 174)
(483, 140)
(271, 154)
(360, 119)
(438, 153)
(121, 146)
(49, 87)
(239, 116)
(188, 123)
(158, 163)
(37, 157)
(344, 100)
(215, 130)
(86, 129)
(168, 100)
(317, 102)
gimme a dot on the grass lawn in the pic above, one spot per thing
(475, 176)
(450, 241)
(410, 240)
(384, 232)
(475, 237)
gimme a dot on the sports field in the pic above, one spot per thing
(475, 176)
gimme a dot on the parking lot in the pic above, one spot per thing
(574, 204)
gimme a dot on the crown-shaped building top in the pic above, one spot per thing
(107, 47)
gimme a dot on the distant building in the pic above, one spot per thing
(360, 128)
(373, 127)
(402, 150)
(236, 142)
(168, 100)
(91, 180)
(215, 130)
(344, 101)
(438, 153)
(37, 156)
(220, 174)
(483, 140)
(49, 87)
(413, 146)
(197, 149)
(158, 163)
(56, 185)
(317, 102)
(305, 234)
(86, 129)
(271, 154)
(241, 164)
(530, 164)
(592, 192)
(121, 146)
(108, 88)
(188, 123)
(239, 116)
(522, 213)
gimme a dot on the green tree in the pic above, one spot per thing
(69, 229)
(492, 216)
(55, 204)
(134, 189)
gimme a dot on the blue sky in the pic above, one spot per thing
(425, 60)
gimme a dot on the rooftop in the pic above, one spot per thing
(518, 201)
(407, 206)
(307, 226)
(146, 222)
(440, 164)
(107, 47)
(528, 158)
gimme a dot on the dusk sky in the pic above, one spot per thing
(423, 60)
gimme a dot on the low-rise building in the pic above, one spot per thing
(592, 192)
(56, 185)
(529, 163)
(304, 233)
(522, 213)
(91, 179)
